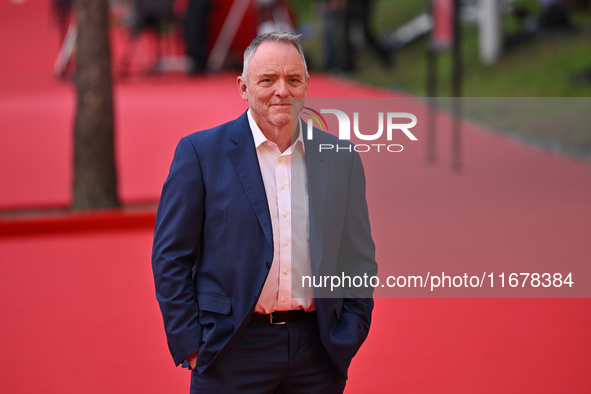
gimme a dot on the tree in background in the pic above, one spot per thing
(95, 178)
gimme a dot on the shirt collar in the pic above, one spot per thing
(259, 137)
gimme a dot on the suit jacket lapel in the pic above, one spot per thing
(244, 159)
(317, 174)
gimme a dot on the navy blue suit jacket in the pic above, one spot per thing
(213, 242)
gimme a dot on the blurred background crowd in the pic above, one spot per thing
(509, 47)
(428, 48)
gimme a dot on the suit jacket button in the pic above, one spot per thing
(268, 265)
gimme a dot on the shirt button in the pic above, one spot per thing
(282, 187)
(284, 300)
(284, 214)
(285, 243)
(285, 272)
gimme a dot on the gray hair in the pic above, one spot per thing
(274, 36)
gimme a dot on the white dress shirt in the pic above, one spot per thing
(285, 180)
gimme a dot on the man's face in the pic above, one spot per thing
(276, 73)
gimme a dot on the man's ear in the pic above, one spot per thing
(242, 88)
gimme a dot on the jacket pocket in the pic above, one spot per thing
(214, 303)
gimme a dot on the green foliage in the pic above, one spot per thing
(534, 66)
(538, 66)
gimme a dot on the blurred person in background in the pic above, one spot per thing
(359, 34)
(196, 26)
(333, 27)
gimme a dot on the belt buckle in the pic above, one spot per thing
(275, 323)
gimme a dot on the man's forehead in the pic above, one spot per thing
(269, 50)
(268, 57)
(292, 71)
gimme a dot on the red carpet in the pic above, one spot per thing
(78, 308)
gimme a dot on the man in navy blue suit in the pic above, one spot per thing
(250, 208)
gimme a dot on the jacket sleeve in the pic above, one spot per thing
(176, 248)
(356, 259)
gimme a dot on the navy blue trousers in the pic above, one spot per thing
(273, 359)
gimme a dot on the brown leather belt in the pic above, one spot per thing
(281, 317)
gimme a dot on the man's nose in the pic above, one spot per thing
(282, 89)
